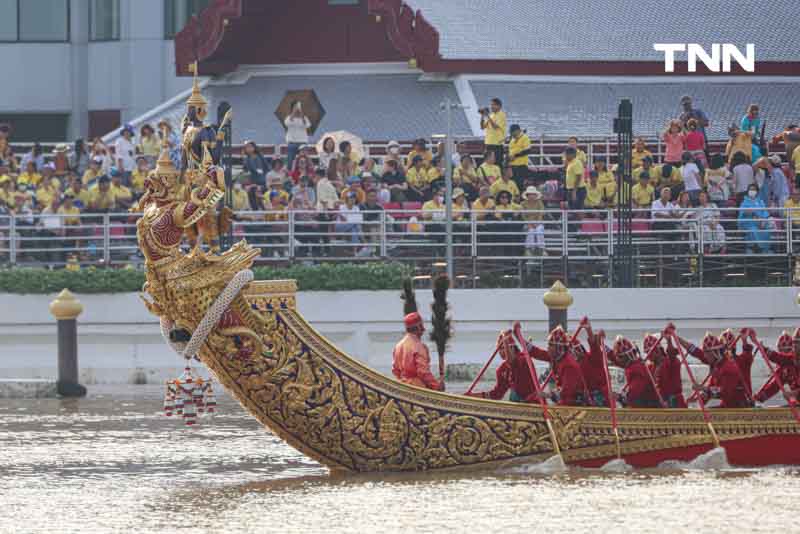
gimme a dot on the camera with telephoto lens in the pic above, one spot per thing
(483, 111)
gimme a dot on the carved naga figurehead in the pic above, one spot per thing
(161, 185)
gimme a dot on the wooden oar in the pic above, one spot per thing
(612, 401)
(776, 373)
(523, 347)
(700, 401)
(485, 367)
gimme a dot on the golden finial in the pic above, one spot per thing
(196, 99)
(558, 297)
(164, 165)
(66, 306)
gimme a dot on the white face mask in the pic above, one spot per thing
(439, 199)
(238, 187)
(752, 194)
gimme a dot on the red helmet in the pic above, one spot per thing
(414, 321)
(505, 342)
(797, 334)
(623, 347)
(728, 338)
(558, 336)
(712, 342)
(785, 342)
(650, 341)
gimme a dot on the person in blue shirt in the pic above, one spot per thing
(754, 221)
(751, 122)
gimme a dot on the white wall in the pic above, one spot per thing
(117, 335)
(134, 74)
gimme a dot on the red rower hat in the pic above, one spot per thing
(413, 319)
(623, 346)
(797, 334)
(649, 342)
(728, 338)
(558, 336)
(711, 342)
(785, 342)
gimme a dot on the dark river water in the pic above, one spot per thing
(113, 463)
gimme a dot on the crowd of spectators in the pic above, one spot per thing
(339, 193)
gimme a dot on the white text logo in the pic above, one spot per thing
(720, 58)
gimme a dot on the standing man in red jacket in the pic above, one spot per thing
(513, 374)
(411, 359)
(569, 378)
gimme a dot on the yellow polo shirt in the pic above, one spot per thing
(654, 178)
(488, 172)
(31, 180)
(676, 178)
(503, 185)
(461, 176)
(574, 178)
(431, 208)
(642, 196)
(101, 201)
(793, 210)
(74, 213)
(595, 195)
(482, 209)
(496, 136)
(427, 157)
(121, 192)
(523, 142)
(417, 178)
(796, 160)
(137, 180)
(45, 195)
(89, 175)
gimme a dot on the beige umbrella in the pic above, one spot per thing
(356, 142)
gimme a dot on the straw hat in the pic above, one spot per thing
(531, 190)
(458, 192)
(61, 148)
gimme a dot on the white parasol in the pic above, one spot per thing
(341, 135)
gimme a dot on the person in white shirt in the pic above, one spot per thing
(691, 178)
(350, 219)
(297, 125)
(664, 214)
(124, 151)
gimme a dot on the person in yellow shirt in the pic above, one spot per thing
(419, 148)
(276, 186)
(489, 172)
(796, 165)
(642, 194)
(139, 175)
(573, 180)
(241, 202)
(483, 205)
(572, 142)
(606, 179)
(460, 205)
(69, 209)
(792, 207)
(79, 194)
(6, 192)
(122, 195)
(354, 186)
(30, 177)
(518, 151)
(670, 176)
(640, 152)
(94, 171)
(101, 199)
(647, 166)
(493, 122)
(46, 192)
(505, 183)
(466, 177)
(433, 212)
(417, 179)
(595, 193)
(505, 208)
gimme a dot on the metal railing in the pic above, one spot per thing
(694, 247)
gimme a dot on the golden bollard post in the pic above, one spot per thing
(66, 309)
(558, 300)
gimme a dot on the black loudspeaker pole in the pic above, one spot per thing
(226, 239)
(623, 260)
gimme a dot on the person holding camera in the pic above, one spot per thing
(493, 122)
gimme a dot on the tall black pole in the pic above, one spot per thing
(623, 273)
(226, 239)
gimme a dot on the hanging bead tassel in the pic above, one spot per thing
(169, 402)
(211, 400)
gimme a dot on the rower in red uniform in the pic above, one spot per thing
(513, 374)
(788, 359)
(667, 371)
(727, 383)
(411, 359)
(639, 391)
(569, 379)
(592, 367)
(744, 359)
